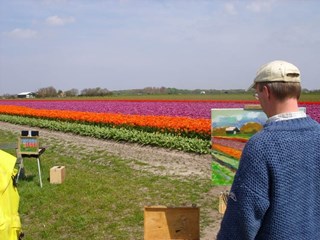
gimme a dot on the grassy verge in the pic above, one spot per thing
(230, 96)
(102, 197)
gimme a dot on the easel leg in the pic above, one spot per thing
(39, 170)
(20, 168)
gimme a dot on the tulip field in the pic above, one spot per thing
(178, 124)
(183, 125)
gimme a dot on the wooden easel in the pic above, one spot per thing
(29, 147)
(223, 200)
(252, 107)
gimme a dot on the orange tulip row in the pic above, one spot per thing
(227, 150)
(163, 123)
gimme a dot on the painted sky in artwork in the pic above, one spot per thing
(236, 117)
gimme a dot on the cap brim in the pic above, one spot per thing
(252, 86)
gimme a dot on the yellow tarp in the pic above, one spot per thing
(10, 226)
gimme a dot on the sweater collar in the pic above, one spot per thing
(286, 116)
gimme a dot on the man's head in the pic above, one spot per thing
(281, 78)
(277, 71)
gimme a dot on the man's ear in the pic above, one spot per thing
(266, 91)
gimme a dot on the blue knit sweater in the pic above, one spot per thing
(276, 190)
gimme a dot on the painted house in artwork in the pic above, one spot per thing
(232, 130)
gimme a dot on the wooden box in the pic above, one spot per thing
(57, 174)
(162, 222)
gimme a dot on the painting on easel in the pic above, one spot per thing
(230, 130)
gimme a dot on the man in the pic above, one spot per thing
(276, 190)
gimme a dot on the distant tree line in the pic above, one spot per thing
(164, 90)
(51, 92)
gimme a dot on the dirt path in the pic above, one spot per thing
(160, 161)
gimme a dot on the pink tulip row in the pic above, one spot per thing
(192, 109)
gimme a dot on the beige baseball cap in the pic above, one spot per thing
(277, 71)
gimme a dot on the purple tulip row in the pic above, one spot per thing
(154, 108)
(193, 109)
(313, 110)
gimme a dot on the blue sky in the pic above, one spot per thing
(129, 44)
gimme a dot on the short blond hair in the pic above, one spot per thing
(282, 90)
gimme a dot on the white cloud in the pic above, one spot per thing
(260, 5)
(230, 9)
(58, 21)
(22, 33)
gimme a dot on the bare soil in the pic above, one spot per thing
(159, 161)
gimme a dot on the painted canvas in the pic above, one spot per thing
(230, 130)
